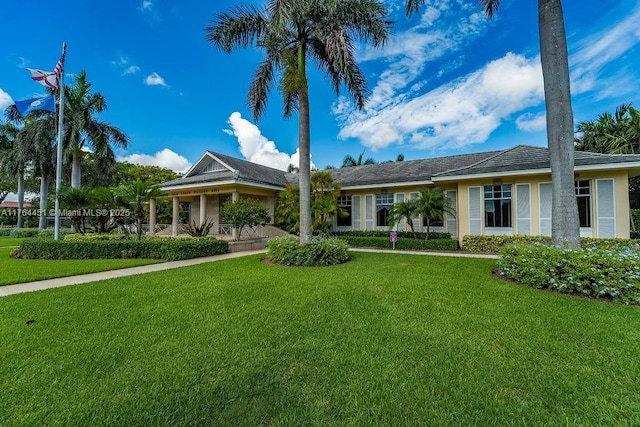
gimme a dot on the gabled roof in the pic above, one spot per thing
(232, 169)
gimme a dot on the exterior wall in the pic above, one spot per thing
(621, 197)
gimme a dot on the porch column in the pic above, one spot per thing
(152, 216)
(203, 208)
(175, 217)
(235, 196)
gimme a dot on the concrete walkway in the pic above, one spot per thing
(111, 274)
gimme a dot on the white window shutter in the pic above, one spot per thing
(545, 194)
(523, 209)
(368, 212)
(605, 208)
(452, 218)
(475, 211)
(356, 222)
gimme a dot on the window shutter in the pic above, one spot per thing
(475, 211)
(523, 209)
(605, 208)
(368, 212)
(452, 218)
(399, 198)
(545, 194)
(356, 222)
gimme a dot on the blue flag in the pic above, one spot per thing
(46, 103)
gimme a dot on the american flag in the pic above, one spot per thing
(50, 79)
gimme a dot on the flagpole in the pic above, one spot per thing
(59, 151)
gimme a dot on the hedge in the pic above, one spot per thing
(494, 244)
(380, 233)
(402, 243)
(24, 232)
(315, 253)
(5, 232)
(167, 249)
(612, 273)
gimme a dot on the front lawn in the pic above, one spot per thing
(14, 271)
(385, 339)
(10, 241)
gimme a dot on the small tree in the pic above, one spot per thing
(432, 204)
(76, 201)
(136, 195)
(244, 212)
(407, 209)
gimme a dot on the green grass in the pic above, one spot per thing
(14, 271)
(10, 241)
(382, 340)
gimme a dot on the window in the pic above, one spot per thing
(497, 205)
(384, 202)
(344, 219)
(583, 194)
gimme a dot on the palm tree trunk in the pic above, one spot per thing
(304, 146)
(75, 170)
(20, 198)
(557, 93)
(44, 195)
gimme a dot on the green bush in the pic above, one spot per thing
(49, 233)
(380, 233)
(24, 232)
(402, 243)
(168, 249)
(601, 273)
(77, 237)
(494, 244)
(315, 253)
(5, 232)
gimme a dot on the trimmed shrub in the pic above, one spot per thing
(494, 244)
(77, 237)
(402, 243)
(167, 249)
(5, 232)
(380, 233)
(24, 232)
(317, 252)
(601, 273)
(49, 233)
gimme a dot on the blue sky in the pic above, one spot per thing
(449, 80)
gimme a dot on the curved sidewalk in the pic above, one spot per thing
(111, 274)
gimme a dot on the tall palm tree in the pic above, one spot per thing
(290, 32)
(83, 129)
(432, 205)
(16, 157)
(349, 161)
(565, 227)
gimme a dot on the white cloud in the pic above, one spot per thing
(595, 52)
(462, 112)
(5, 100)
(530, 122)
(154, 79)
(127, 68)
(146, 5)
(164, 158)
(256, 148)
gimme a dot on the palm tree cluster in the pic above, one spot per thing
(28, 144)
(617, 133)
(430, 204)
(292, 31)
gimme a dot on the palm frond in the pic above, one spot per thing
(242, 26)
